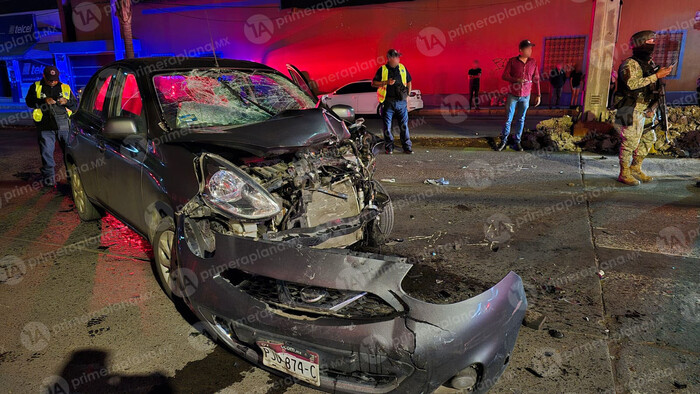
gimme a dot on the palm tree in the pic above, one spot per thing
(123, 9)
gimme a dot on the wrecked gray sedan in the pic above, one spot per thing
(258, 202)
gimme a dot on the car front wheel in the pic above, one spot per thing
(164, 255)
(86, 210)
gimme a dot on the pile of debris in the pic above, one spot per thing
(554, 133)
(603, 137)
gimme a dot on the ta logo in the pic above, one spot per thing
(87, 16)
(431, 41)
(258, 29)
(454, 108)
(35, 336)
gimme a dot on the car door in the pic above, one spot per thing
(123, 158)
(300, 80)
(87, 124)
(341, 96)
(367, 101)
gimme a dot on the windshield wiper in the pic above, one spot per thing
(245, 99)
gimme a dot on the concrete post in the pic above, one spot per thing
(600, 57)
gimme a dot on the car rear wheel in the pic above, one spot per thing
(164, 255)
(381, 227)
(86, 210)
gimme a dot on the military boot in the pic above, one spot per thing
(636, 170)
(626, 176)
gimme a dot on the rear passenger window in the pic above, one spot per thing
(131, 104)
(102, 87)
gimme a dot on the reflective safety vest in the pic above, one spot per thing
(381, 92)
(37, 114)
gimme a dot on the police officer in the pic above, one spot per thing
(53, 104)
(637, 77)
(394, 85)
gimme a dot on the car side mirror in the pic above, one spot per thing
(119, 128)
(344, 112)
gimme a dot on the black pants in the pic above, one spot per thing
(474, 95)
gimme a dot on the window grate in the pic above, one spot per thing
(668, 49)
(569, 51)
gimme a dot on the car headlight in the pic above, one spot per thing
(233, 191)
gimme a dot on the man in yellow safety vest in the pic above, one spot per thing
(393, 83)
(53, 104)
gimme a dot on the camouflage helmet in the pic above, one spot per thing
(639, 38)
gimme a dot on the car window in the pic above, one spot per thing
(223, 97)
(356, 87)
(101, 90)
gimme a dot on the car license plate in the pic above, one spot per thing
(301, 364)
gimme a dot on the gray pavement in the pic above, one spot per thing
(87, 298)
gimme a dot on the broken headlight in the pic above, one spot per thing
(231, 190)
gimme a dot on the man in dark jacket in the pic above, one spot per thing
(53, 104)
(557, 77)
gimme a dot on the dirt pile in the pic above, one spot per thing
(603, 137)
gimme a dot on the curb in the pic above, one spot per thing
(493, 111)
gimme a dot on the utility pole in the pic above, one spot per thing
(603, 36)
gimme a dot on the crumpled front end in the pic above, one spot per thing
(262, 260)
(257, 291)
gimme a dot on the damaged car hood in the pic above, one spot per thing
(282, 133)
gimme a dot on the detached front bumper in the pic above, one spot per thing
(414, 350)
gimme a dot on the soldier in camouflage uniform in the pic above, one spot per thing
(637, 78)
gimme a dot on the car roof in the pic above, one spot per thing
(165, 63)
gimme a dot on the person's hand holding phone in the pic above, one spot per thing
(664, 71)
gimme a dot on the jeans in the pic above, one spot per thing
(515, 106)
(400, 109)
(47, 144)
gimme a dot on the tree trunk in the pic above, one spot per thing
(124, 14)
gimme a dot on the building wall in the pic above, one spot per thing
(651, 15)
(439, 38)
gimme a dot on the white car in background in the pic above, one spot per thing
(363, 98)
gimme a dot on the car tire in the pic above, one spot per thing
(164, 255)
(86, 210)
(381, 227)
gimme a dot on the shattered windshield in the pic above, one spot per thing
(221, 97)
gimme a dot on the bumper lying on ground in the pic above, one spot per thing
(393, 342)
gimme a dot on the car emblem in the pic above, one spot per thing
(312, 295)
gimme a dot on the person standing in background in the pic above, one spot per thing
(53, 103)
(474, 82)
(393, 83)
(557, 77)
(522, 74)
(575, 79)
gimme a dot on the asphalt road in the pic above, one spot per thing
(87, 312)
